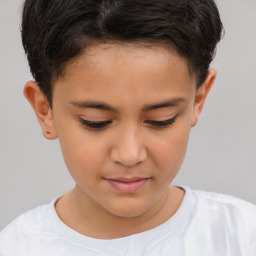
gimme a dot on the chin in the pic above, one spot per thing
(128, 210)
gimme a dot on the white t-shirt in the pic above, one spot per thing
(206, 224)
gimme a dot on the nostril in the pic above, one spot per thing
(130, 165)
(129, 159)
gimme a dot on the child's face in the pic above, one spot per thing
(126, 166)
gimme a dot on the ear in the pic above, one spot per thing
(42, 109)
(201, 95)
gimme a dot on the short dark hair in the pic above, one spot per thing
(56, 31)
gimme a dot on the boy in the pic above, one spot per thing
(120, 83)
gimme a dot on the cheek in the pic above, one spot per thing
(173, 148)
(83, 163)
(82, 153)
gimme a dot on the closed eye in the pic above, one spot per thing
(162, 124)
(95, 125)
(104, 124)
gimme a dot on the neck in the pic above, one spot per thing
(85, 216)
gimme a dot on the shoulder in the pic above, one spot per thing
(24, 228)
(226, 207)
(32, 219)
(225, 219)
(217, 202)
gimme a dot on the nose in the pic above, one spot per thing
(129, 149)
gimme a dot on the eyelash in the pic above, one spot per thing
(164, 123)
(103, 125)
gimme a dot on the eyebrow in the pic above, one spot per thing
(103, 106)
(169, 103)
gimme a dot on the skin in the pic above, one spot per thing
(126, 77)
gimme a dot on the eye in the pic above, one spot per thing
(104, 124)
(162, 124)
(95, 125)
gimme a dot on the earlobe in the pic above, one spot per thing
(202, 94)
(42, 109)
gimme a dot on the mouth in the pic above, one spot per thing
(127, 185)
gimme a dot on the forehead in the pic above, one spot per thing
(125, 71)
(103, 53)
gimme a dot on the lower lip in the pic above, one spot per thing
(127, 187)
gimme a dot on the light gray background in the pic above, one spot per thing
(222, 150)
